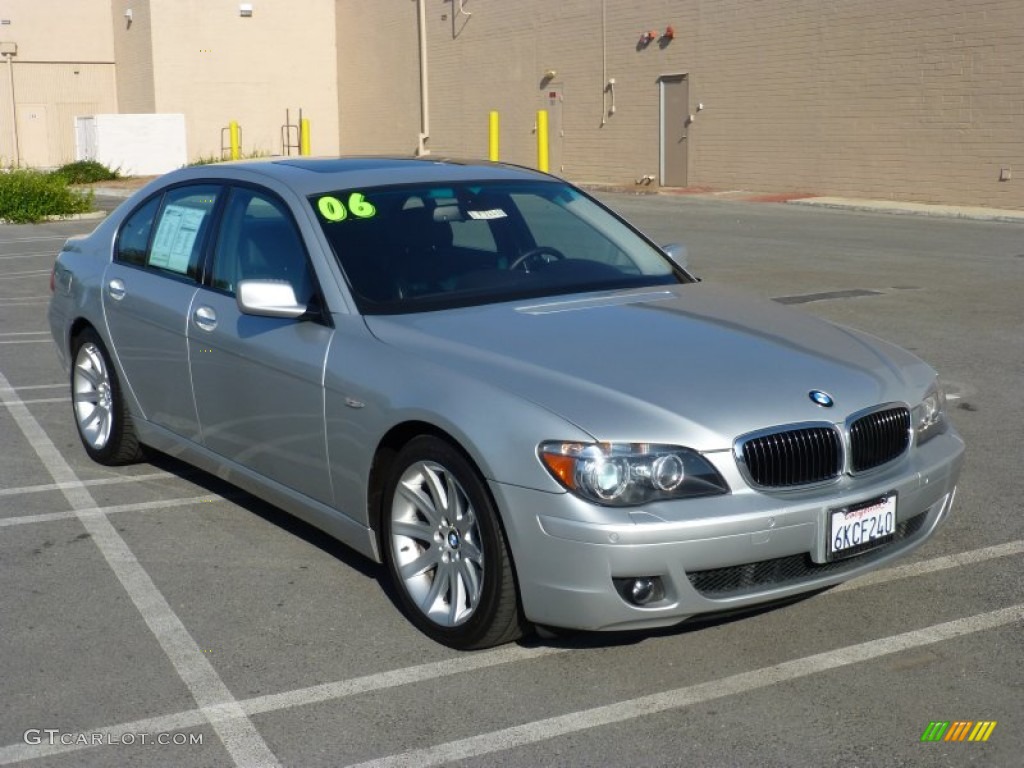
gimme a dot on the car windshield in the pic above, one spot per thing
(422, 247)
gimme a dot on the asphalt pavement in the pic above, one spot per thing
(153, 615)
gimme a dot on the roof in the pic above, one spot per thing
(308, 175)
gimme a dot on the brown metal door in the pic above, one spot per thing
(675, 119)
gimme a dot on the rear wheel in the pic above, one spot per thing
(102, 418)
(445, 549)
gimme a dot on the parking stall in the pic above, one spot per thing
(153, 614)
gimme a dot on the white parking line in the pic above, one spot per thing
(28, 341)
(139, 506)
(237, 732)
(44, 399)
(553, 727)
(408, 675)
(935, 564)
(28, 255)
(25, 333)
(20, 275)
(36, 239)
(25, 387)
(98, 481)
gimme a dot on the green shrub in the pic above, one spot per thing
(85, 172)
(29, 196)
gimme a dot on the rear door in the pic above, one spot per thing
(147, 292)
(259, 380)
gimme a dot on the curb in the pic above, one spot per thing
(58, 217)
(914, 209)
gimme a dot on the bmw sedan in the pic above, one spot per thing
(482, 378)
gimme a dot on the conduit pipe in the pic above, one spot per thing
(421, 148)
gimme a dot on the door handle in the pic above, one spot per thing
(115, 289)
(205, 318)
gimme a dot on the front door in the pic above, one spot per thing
(259, 380)
(675, 121)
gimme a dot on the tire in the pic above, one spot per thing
(445, 550)
(101, 416)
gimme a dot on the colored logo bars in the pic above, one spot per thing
(959, 730)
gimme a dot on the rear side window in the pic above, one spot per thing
(133, 241)
(181, 228)
(167, 232)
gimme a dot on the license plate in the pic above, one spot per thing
(861, 527)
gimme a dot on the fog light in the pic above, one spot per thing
(640, 590)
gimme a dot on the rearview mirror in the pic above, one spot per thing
(268, 298)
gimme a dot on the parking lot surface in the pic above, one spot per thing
(154, 615)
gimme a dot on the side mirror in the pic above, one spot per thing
(268, 298)
(677, 253)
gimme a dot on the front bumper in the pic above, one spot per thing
(718, 554)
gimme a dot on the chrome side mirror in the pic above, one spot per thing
(677, 253)
(268, 298)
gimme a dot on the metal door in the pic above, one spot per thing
(33, 135)
(675, 121)
(553, 100)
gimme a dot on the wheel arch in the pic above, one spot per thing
(383, 460)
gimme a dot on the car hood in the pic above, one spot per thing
(689, 364)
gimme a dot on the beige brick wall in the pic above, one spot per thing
(133, 52)
(378, 77)
(911, 100)
(215, 66)
(64, 67)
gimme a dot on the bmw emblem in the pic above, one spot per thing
(453, 539)
(824, 399)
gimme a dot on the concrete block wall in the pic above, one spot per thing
(911, 100)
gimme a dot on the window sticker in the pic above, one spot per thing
(332, 209)
(175, 238)
(494, 213)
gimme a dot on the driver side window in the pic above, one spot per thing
(260, 241)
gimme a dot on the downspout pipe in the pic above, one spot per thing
(421, 148)
(14, 111)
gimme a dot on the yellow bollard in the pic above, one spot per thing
(542, 140)
(304, 136)
(492, 153)
(236, 139)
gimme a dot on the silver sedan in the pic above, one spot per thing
(481, 377)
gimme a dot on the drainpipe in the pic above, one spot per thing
(421, 148)
(9, 50)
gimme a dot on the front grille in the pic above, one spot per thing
(793, 457)
(878, 438)
(736, 580)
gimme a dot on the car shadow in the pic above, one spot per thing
(274, 515)
(583, 640)
(543, 637)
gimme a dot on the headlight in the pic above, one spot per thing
(630, 474)
(929, 416)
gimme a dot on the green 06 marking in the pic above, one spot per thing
(333, 209)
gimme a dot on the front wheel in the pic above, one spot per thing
(445, 549)
(103, 420)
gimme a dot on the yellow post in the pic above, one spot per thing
(542, 140)
(304, 136)
(236, 139)
(493, 136)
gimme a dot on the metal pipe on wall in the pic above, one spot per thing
(14, 112)
(421, 148)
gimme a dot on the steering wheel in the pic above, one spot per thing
(545, 253)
